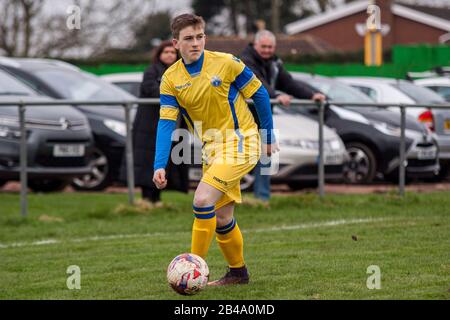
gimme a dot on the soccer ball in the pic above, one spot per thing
(187, 274)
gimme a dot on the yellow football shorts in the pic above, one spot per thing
(224, 165)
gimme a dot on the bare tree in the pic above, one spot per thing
(16, 25)
(28, 30)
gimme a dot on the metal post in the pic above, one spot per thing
(402, 152)
(23, 162)
(129, 155)
(321, 106)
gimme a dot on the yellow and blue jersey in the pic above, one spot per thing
(210, 93)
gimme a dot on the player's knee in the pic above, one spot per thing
(202, 200)
(223, 220)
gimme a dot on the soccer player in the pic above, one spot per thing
(209, 89)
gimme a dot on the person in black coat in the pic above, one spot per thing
(261, 59)
(145, 126)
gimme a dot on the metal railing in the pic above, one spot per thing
(128, 104)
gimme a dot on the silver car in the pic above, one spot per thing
(439, 85)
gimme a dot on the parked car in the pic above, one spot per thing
(400, 91)
(61, 80)
(59, 139)
(296, 164)
(128, 81)
(372, 135)
(439, 85)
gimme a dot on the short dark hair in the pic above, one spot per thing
(185, 20)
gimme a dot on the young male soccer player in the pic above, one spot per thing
(209, 89)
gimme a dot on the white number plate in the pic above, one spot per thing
(333, 158)
(426, 154)
(447, 126)
(195, 174)
(68, 150)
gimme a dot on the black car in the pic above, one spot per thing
(61, 80)
(59, 140)
(372, 135)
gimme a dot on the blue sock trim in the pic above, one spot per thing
(227, 228)
(204, 209)
(205, 216)
(205, 212)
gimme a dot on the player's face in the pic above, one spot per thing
(168, 56)
(265, 47)
(190, 43)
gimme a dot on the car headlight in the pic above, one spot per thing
(386, 129)
(9, 133)
(335, 144)
(118, 127)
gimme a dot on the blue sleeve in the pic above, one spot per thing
(262, 105)
(163, 142)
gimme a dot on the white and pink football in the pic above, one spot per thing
(188, 273)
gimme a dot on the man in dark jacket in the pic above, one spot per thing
(261, 59)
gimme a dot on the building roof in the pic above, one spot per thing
(286, 45)
(443, 13)
(435, 17)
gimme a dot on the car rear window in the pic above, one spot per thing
(418, 94)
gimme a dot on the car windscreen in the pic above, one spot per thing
(80, 86)
(11, 86)
(336, 91)
(130, 87)
(419, 94)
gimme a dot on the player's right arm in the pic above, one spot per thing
(166, 125)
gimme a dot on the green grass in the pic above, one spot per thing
(293, 251)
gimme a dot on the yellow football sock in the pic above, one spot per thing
(231, 244)
(203, 230)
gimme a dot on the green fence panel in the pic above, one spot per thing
(113, 68)
(405, 59)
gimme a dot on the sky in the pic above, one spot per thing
(174, 6)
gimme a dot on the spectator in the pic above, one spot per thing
(261, 59)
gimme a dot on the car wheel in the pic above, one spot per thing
(300, 185)
(362, 164)
(100, 176)
(47, 185)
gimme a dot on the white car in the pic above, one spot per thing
(296, 163)
(439, 85)
(394, 91)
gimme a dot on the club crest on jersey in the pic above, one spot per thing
(216, 81)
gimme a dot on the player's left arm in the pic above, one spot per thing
(261, 99)
(251, 87)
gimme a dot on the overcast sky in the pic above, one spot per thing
(174, 6)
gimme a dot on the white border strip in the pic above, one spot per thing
(331, 223)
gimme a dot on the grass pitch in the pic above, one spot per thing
(302, 248)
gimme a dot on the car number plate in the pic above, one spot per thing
(447, 126)
(195, 174)
(68, 150)
(333, 159)
(426, 154)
